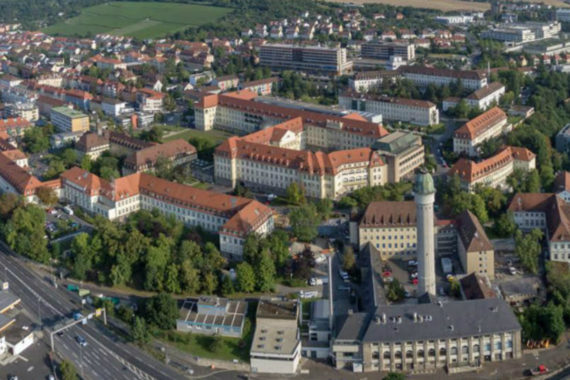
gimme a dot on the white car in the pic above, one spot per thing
(314, 281)
(320, 259)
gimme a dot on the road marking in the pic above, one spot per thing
(30, 369)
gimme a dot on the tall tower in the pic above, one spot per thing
(425, 197)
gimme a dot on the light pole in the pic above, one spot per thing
(39, 312)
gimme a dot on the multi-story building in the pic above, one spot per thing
(364, 81)
(403, 152)
(512, 34)
(475, 251)
(316, 59)
(261, 87)
(27, 111)
(426, 336)
(113, 107)
(381, 49)
(149, 100)
(549, 213)
(232, 218)
(92, 145)
(272, 159)
(276, 345)
(66, 119)
(487, 96)
(177, 152)
(239, 112)
(423, 76)
(494, 170)
(419, 112)
(489, 124)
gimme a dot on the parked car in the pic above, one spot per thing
(314, 281)
(320, 259)
(540, 370)
(68, 210)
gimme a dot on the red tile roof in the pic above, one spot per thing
(469, 171)
(17, 177)
(481, 123)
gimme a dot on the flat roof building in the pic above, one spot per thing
(66, 119)
(212, 316)
(319, 59)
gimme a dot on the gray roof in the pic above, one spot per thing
(7, 299)
(445, 320)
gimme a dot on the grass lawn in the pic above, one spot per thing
(199, 345)
(214, 136)
(137, 19)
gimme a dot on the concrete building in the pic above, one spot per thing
(26, 111)
(424, 190)
(232, 218)
(494, 170)
(314, 59)
(563, 15)
(426, 336)
(419, 112)
(66, 119)
(113, 107)
(550, 214)
(489, 124)
(276, 345)
(381, 49)
(476, 252)
(512, 34)
(317, 346)
(403, 152)
(423, 76)
(261, 87)
(210, 315)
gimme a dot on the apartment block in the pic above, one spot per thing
(494, 170)
(382, 49)
(65, 119)
(423, 76)
(418, 112)
(364, 81)
(489, 124)
(486, 96)
(232, 218)
(315, 59)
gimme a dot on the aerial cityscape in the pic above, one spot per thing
(273, 189)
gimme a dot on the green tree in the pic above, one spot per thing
(395, 291)
(189, 277)
(24, 232)
(505, 225)
(139, 331)
(83, 251)
(8, 203)
(55, 168)
(528, 248)
(394, 376)
(86, 163)
(533, 182)
(227, 286)
(209, 283)
(245, 278)
(304, 222)
(265, 273)
(46, 195)
(161, 311)
(171, 280)
(324, 208)
(69, 157)
(543, 322)
(35, 140)
(67, 370)
(216, 344)
(348, 259)
(295, 194)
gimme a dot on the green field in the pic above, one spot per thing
(137, 19)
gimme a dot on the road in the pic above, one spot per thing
(121, 360)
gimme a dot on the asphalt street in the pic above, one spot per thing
(104, 354)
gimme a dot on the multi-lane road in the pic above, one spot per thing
(105, 356)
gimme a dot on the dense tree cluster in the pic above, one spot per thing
(361, 198)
